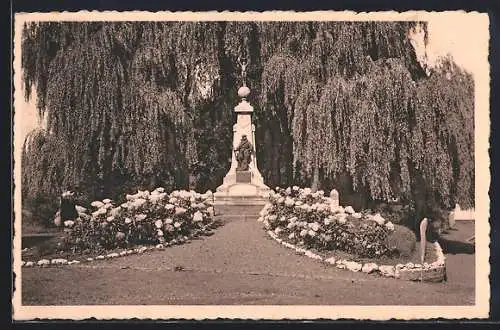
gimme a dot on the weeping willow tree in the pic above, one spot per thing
(361, 113)
(138, 104)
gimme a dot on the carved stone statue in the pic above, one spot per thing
(243, 64)
(244, 154)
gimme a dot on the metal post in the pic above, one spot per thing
(213, 203)
(254, 146)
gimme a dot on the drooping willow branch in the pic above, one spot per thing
(136, 104)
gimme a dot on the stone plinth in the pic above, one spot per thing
(242, 187)
(243, 177)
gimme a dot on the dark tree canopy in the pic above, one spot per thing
(140, 104)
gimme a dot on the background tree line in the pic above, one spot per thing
(133, 105)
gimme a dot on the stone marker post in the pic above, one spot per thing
(334, 199)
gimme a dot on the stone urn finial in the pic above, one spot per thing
(243, 92)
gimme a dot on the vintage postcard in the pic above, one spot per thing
(274, 165)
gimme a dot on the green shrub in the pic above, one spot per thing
(306, 218)
(40, 210)
(145, 218)
(403, 240)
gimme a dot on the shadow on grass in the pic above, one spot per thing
(456, 247)
(29, 241)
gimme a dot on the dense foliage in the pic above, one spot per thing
(135, 105)
(307, 218)
(145, 218)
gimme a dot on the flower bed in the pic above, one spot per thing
(146, 221)
(358, 241)
(309, 218)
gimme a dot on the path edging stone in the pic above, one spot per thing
(434, 272)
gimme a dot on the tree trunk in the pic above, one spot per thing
(315, 181)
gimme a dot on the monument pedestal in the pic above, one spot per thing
(242, 187)
(243, 177)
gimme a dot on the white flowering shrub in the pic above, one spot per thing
(307, 218)
(145, 218)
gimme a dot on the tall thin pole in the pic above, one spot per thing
(213, 204)
(254, 147)
(423, 242)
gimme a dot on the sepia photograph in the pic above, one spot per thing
(251, 165)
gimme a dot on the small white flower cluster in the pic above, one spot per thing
(166, 214)
(296, 197)
(198, 201)
(368, 268)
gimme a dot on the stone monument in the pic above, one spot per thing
(243, 184)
